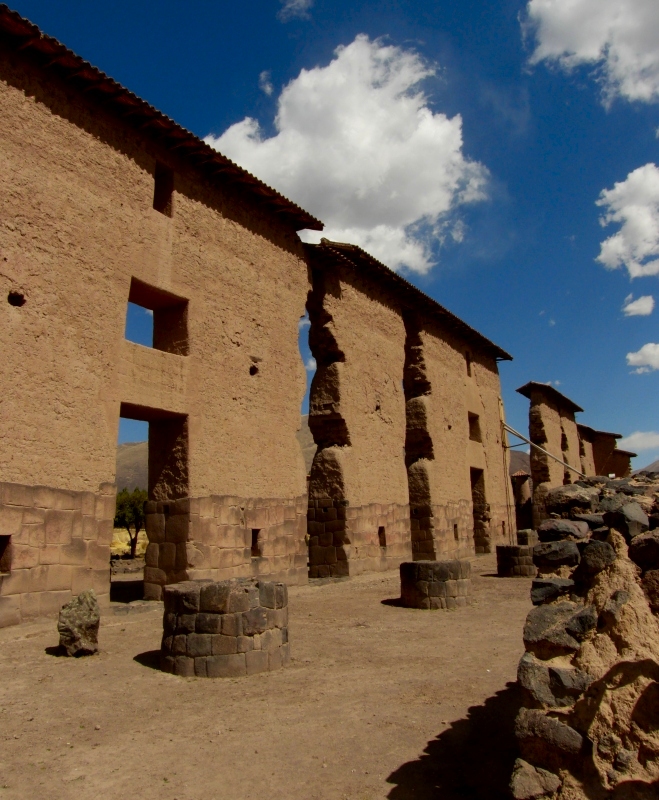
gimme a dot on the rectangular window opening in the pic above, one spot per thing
(5, 554)
(474, 428)
(157, 318)
(382, 536)
(455, 531)
(257, 544)
(468, 363)
(163, 189)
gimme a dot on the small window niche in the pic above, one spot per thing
(5, 554)
(168, 314)
(475, 428)
(257, 543)
(456, 535)
(468, 363)
(382, 537)
(163, 189)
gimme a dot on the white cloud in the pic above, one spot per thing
(294, 8)
(358, 146)
(310, 365)
(641, 307)
(620, 38)
(640, 440)
(645, 360)
(552, 322)
(304, 322)
(265, 84)
(634, 204)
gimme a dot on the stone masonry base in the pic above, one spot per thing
(435, 584)
(225, 629)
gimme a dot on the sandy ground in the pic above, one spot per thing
(379, 701)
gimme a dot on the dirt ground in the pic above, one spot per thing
(379, 701)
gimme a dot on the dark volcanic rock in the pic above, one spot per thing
(554, 530)
(612, 502)
(582, 623)
(532, 783)
(546, 741)
(592, 520)
(544, 590)
(595, 557)
(630, 520)
(610, 612)
(545, 631)
(550, 687)
(78, 625)
(644, 551)
(564, 498)
(553, 555)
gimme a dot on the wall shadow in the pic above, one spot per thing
(472, 760)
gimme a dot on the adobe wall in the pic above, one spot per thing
(587, 456)
(358, 515)
(78, 224)
(553, 428)
(445, 382)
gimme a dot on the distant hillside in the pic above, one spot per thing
(653, 467)
(132, 465)
(519, 461)
(132, 459)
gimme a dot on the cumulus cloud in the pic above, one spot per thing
(634, 205)
(620, 39)
(310, 364)
(641, 307)
(645, 360)
(640, 440)
(265, 84)
(357, 144)
(294, 8)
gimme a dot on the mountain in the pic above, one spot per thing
(519, 461)
(653, 467)
(132, 465)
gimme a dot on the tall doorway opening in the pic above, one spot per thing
(481, 511)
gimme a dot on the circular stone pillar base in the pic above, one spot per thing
(435, 584)
(224, 629)
(515, 561)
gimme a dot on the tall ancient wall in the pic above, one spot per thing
(552, 427)
(358, 501)
(79, 224)
(460, 490)
(587, 457)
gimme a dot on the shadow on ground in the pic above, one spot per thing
(472, 760)
(127, 591)
(151, 659)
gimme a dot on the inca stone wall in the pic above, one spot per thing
(552, 426)
(358, 501)
(458, 469)
(223, 417)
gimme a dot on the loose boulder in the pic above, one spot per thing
(565, 498)
(555, 530)
(644, 551)
(78, 625)
(552, 555)
(630, 520)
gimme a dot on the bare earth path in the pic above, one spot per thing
(379, 701)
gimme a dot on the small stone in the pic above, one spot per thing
(580, 625)
(555, 554)
(532, 783)
(554, 530)
(644, 550)
(592, 520)
(78, 625)
(611, 611)
(545, 632)
(572, 495)
(595, 557)
(544, 590)
(630, 520)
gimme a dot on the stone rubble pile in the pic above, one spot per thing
(78, 625)
(589, 725)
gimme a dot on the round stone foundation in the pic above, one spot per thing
(435, 584)
(224, 629)
(515, 561)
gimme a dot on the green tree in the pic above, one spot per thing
(130, 514)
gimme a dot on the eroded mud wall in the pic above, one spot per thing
(454, 427)
(358, 501)
(78, 225)
(552, 426)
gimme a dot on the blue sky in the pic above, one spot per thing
(465, 144)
